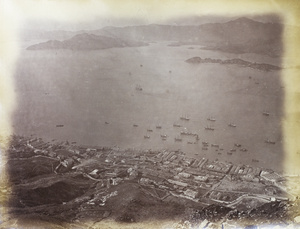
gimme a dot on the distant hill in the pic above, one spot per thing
(242, 35)
(86, 41)
(236, 61)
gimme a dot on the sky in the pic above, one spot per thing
(100, 22)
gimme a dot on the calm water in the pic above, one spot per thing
(84, 89)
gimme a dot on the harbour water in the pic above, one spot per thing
(90, 97)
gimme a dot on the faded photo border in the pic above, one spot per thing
(13, 13)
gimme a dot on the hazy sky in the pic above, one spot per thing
(100, 22)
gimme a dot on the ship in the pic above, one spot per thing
(243, 150)
(265, 113)
(163, 136)
(211, 119)
(135, 125)
(269, 142)
(187, 133)
(59, 125)
(215, 145)
(186, 118)
(209, 128)
(138, 87)
(149, 130)
(146, 136)
(178, 139)
(176, 125)
(237, 145)
(231, 125)
(158, 127)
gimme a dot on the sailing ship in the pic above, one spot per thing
(209, 128)
(138, 87)
(211, 119)
(186, 118)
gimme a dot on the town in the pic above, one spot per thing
(164, 175)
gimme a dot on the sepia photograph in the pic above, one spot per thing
(156, 115)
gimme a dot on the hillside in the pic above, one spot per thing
(86, 41)
(237, 61)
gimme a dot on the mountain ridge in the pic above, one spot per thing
(242, 35)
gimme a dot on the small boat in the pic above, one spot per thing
(237, 145)
(187, 133)
(209, 128)
(146, 136)
(176, 125)
(211, 119)
(135, 125)
(265, 113)
(149, 130)
(205, 143)
(231, 125)
(59, 125)
(190, 143)
(106, 122)
(163, 136)
(243, 150)
(254, 160)
(269, 142)
(233, 150)
(177, 139)
(158, 127)
(215, 145)
(204, 148)
(229, 153)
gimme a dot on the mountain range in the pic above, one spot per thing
(242, 35)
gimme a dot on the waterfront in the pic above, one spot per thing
(93, 95)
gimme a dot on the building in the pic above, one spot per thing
(184, 175)
(190, 193)
(201, 178)
(270, 176)
(179, 183)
